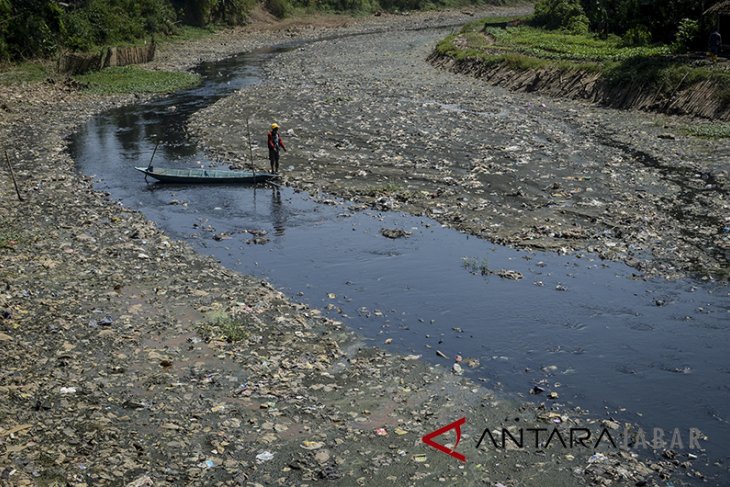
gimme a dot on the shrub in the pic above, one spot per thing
(102, 22)
(578, 25)
(232, 12)
(278, 8)
(637, 36)
(687, 35)
(560, 14)
(33, 30)
(194, 12)
(77, 33)
(5, 10)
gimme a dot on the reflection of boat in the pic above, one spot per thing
(198, 175)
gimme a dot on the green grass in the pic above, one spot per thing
(484, 39)
(523, 47)
(133, 79)
(188, 33)
(26, 72)
(666, 74)
(545, 44)
(385, 188)
(712, 130)
(478, 48)
(230, 328)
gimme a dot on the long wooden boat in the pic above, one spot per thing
(201, 175)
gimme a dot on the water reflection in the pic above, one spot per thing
(278, 213)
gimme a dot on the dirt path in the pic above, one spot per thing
(115, 370)
(370, 119)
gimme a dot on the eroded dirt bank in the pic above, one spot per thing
(370, 119)
(701, 99)
(112, 374)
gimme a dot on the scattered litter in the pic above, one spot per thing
(312, 445)
(394, 233)
(143, 481)
(597, 458)
(264, 456)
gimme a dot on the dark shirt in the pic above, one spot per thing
(715, 42)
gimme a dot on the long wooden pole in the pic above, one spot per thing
(12, 175)
(250, 147)
(149, 166)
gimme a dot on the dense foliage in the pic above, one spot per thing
(32, 28)
(39, 28)
(561, 14)
(638, 21)
(200, 13)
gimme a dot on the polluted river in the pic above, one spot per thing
(648, 351)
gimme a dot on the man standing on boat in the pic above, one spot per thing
(275, 143)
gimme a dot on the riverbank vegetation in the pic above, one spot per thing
(656, 50)
(132, 79)
(709, 130)
(25, 72)
(31, 29)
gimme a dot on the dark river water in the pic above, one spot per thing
(656, 353)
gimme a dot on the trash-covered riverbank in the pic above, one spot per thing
(128, 359)
(370, 119)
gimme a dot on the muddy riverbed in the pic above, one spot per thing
(115, 371)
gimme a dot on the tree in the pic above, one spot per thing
(33, 28)
(561, 14)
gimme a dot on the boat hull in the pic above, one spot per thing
(205, 176)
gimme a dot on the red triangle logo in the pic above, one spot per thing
(456, 425)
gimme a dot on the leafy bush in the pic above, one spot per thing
(194, 12)
(637, 36)
(37, 28)
(688, 33)
(78, 33)
(278, 8)
(5, 10)
(232, 12)
(659, 18)
(102, 22)
(30, 28)
(577, 25)
(561, 14)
